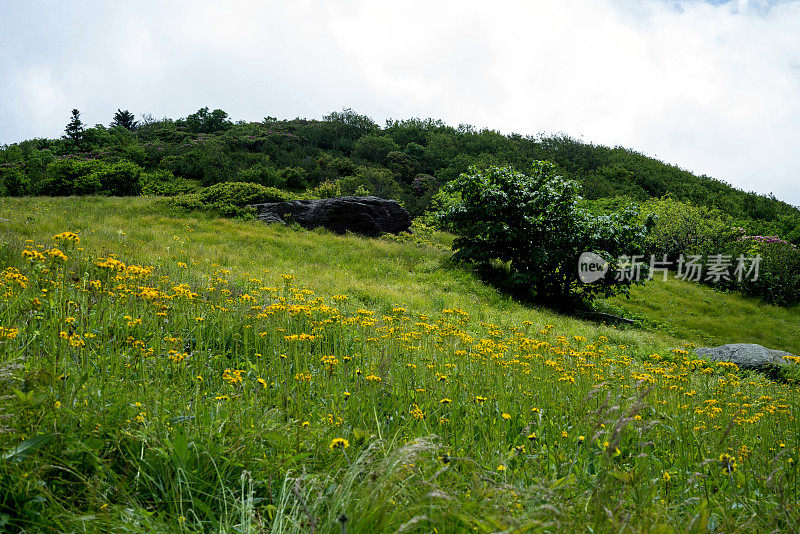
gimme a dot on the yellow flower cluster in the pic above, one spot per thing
(67, 237)
(8, 333)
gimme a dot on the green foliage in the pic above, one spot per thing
(119, 179)
(230, 198)
(778, 280)
(341, 129)
(535, 226)
(328, 189)
(203, 121)
(163, 183)
(444, 201)
(207, 160)
(263, 174)
(299, 154)
(374, 148)
(376, 181)
(683, 228)
(13, 181)
(62, 175)
(90, 177)
(294, 178)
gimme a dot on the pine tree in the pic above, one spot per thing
(74, 130)
(124, 119)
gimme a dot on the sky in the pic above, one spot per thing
(710, 86)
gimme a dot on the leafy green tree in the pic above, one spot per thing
(402, 165)
(163, 183)
(124, 119)
(204, 121)
(778, 280)
(96, 138)
(74, 130)
(119, 179)
(683, 228)
(13, 182)
(533, 224)
(295, 178)
(378, 182)
(375, 148)
(265, 175)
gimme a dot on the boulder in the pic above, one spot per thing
(370, 216)
(746, 355)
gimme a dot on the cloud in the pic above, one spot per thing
(709, 86)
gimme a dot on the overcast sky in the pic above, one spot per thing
(711, 86)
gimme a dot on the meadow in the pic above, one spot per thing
(173, 372)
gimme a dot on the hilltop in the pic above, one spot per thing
(347, 153)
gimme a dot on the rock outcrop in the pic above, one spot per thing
(370, 216)
(746, 355)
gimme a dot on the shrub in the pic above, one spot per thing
(533, 225)
(778, 280)
(327, 189)
(265, 175)
(375, 148)
(683, 228)
(204, 121)
(375, 181)
(230, 198)
(295, 178)
(120, 179)
(163, 183)
(13, 182)
(61, 175)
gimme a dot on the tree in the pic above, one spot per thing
(374, 148)
(74, 130)
(204, 121)
(124, 119)
(533, 225)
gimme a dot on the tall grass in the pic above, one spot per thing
(167, 373)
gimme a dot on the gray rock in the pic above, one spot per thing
(369, 216)
(745, 355)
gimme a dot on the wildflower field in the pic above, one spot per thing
(167, 373)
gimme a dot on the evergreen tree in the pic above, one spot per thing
(74, 130)
(124, 119)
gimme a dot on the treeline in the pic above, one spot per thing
(348, 153)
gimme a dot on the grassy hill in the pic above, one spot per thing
(173, 372)
(407, 160)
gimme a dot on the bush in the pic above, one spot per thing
(164, 183)
(682, 228)
(778, 280)
(120, 179)
(328, 189)
(295, 178)
(375, 181)
(230, 198)
(90, 177)
(533, 225)
(262, 174)
(61, 175)
(13, 182)
(375, 148)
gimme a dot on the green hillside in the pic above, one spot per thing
(407, 160)
(168, 371)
